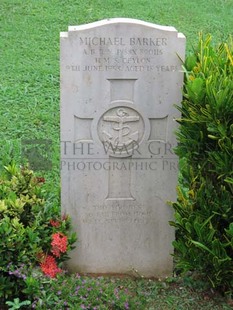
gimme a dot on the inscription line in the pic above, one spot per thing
(106, 158)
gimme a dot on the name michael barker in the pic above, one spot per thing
(120, 41)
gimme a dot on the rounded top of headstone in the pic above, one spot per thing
(129, 21)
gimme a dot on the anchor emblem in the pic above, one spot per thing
(125, 134)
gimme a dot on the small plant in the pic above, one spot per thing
(17, 304)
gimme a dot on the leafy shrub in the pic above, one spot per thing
(28, 233)
(203, 211)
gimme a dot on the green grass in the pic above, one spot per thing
(29, 84)
(29, 45)
(75, 292)
(132, 294)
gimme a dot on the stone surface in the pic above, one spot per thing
(120, 79)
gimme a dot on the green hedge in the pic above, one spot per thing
(204, 208)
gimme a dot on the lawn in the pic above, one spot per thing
(29, 90)
(29, 62)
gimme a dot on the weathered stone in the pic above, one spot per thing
(120, 79)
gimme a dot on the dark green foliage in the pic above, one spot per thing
(204, 210)
(25, 228)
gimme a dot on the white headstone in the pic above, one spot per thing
(120, 79)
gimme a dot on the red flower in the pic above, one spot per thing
(59, 244)
(55, 223)
(49, 266)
